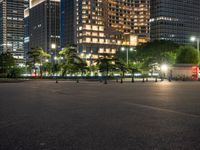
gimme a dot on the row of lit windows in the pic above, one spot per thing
(120, 18)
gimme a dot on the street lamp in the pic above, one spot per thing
(53, 46)
(164, 68)
(193, 39)
(127, 52)
(123, 49)
(55, 58)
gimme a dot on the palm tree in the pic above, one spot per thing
(37, 55)
(105, 63)
(72, 63)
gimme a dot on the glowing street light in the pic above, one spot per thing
(55, 58)
(123, 49)
(193, 39)
(131, 49)
(164, 67)
(127, 52)
(53, 46)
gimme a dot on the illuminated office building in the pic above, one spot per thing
(12, 28)
(175, 20)
(26, 32)
(104, 26)
(43, 25)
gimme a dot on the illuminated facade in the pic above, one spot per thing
(103, 26)
(26, 32)
(43, 25)
(12, 27)
(175, 20)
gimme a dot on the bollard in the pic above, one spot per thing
(105, 81)
(121, 80)
(133, 80)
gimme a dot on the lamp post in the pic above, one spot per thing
(197, 39)
(53, 46)
(193, 39)
(127, 52)
(164, 69)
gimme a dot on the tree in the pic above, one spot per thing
(82, 67)
(158, 52)
(121, 55)
(47, 67)
(105, 63)
(7, 62)
(187, 55)
(16, 72)
(121, 67)
(37, 55)
(72, 63)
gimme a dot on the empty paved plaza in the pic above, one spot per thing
(43, 115)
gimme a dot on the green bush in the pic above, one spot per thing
(187, 55)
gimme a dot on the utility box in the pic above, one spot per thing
(185, 71)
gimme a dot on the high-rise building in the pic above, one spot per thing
(43, 25)
(103, 26)
(12, 27)
(26, 32)
(175, 20)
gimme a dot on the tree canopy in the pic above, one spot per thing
(72, 62)
(158, 52)
(37, 55)
(7, 61)
(187, 55)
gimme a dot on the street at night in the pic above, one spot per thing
(43, 115)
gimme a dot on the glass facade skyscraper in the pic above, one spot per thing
(12, 27)
(44, 24)
(68, 23)
(175, 20)
(26, 32)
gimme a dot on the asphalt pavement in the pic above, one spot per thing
(43, 115)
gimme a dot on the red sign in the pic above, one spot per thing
(195, 73)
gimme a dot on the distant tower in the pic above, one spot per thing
(175, 20)
(44, 25)
(12, 27)
(26, 32)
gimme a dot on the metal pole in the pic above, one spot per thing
(198, 55)
(127, 56)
